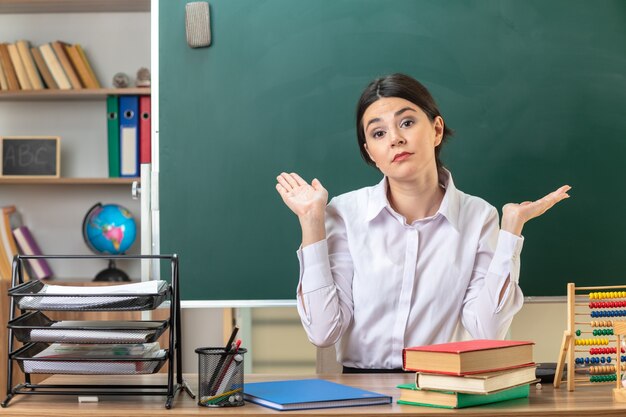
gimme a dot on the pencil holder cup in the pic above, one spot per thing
(220, 377)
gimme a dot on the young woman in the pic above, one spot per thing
(409, 261)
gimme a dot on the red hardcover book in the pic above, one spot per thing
(468, 357)
(145, 148)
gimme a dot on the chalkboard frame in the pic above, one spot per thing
(57, 150)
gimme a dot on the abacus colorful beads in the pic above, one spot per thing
(578, 332)
(595, 370)
(607, 304)
(600, 332)
(603, 378)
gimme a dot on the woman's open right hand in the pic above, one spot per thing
(304, 199)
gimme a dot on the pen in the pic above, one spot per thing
(235, 378)
(220, 363)
(231, 339)
(225, 368)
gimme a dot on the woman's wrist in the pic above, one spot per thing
(313, 228)
(512, 224)
(312, 218)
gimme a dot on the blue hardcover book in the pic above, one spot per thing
(305, 394)
(129, 136)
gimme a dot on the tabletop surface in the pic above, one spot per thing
(595, 400)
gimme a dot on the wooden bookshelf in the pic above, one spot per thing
(68, 181)
(73, 6)
(83, 94)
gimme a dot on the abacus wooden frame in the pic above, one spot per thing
(567, 352)
(619, 393)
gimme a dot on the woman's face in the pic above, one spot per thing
(400, 138)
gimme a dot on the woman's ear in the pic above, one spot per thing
(438, 125)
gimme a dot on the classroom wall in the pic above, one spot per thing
(277, 343)
(544, 324)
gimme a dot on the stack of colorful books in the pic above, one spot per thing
(465, 374)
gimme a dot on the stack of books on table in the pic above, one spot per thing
(465, 374)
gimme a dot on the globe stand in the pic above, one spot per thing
(112, 274)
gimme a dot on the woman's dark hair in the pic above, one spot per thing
(401, 86)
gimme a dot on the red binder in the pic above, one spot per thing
(145, 147)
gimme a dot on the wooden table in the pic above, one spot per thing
(590, 401)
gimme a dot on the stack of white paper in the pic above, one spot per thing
(65, 296)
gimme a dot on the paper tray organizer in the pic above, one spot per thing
(25, 357)
(37, 327)
(31, 296)
(148, 295)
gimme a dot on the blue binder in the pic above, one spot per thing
(302, 394)
(129, 136)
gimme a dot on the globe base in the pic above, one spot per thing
(112, 274)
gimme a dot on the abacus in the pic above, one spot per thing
(589, 340)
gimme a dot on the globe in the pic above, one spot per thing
(109, 229)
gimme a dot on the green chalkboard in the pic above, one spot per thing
(535, 89)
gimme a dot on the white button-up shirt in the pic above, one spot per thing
(377, 284)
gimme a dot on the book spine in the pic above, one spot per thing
(55, 67)
(43, 69)
(145, 147)
(59, 50)
(3, 78)
(9, 70)
(113, 135)
(92, 74)
(11, 220)
(129, 136)
(7, 237)
(5, 266)
(22, 77)
(81, 69)
(23, 48)
(28, 246)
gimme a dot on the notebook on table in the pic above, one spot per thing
(305, 394)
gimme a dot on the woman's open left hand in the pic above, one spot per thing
(514, 215)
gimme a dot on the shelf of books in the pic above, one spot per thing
(73, 6)
(92, 347)
(61, 71)
(82, 94)
(69, 181)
